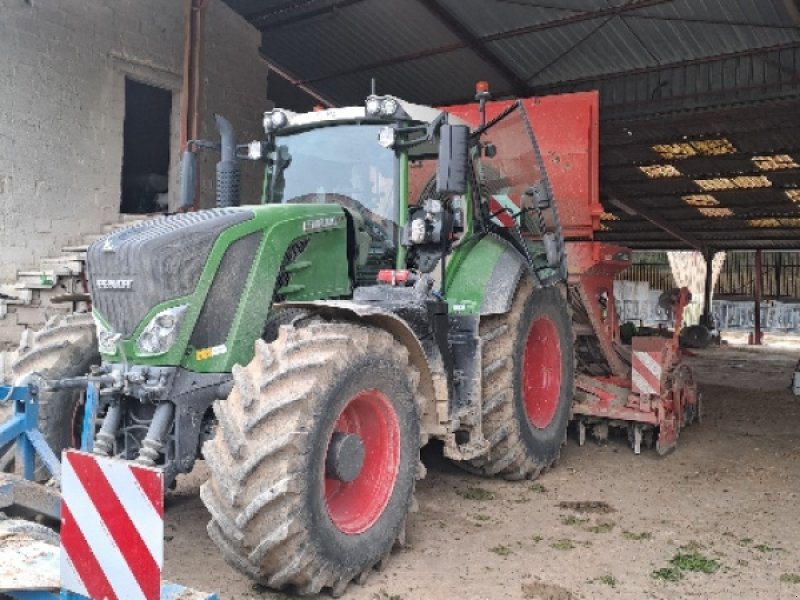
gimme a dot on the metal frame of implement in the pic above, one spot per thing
(21, 430)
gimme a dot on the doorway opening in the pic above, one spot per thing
(146, 140)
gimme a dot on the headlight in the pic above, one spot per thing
(279, 119)
(386, 137)
(275, 120)
(107, 340)
(384, 106)
(161, 332)
(373, 106)
(389, 106)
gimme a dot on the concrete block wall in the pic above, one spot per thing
(235, 86)
(62, 102)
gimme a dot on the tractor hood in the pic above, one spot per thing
(135, 269)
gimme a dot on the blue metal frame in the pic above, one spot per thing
(23, 428)
(89, 416)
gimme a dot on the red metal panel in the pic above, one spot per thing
(567, 129)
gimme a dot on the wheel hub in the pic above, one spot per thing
(541, 376)
(345, 457)
(362, 462)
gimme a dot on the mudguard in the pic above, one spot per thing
(482, 276)
(433, 378)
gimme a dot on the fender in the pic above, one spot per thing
(483, 275)
(424, 357)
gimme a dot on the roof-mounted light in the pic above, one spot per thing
(373, 105)
(389, 107)
(382, 106)
(275, 119)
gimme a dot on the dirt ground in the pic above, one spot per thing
(718, 518)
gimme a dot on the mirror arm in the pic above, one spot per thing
(431, 129)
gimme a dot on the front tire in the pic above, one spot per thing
(65, 347)
(528, 368)
(277, 513)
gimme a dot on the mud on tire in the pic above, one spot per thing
(525, 416)
(64, 347)
(275, 513)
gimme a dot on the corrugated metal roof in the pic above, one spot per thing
(341, 41)
(668, 71)
(740, 188)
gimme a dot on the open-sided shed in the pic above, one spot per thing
(699, 98)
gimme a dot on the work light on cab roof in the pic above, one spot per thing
(275, 119)
(381, 106)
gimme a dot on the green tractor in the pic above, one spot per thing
(401, 279)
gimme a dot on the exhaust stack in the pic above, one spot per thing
(228, 174)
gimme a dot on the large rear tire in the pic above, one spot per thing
(277, 513)
(65, 347)
(528, 368)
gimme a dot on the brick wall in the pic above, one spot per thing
(62, 90)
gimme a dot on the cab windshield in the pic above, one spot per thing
(342, 164)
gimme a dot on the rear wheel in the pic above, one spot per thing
(313, 466)
(66, 347)
(527, 383)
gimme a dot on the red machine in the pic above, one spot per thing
(644, 388)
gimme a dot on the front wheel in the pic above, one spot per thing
(528, 367)
(313, 466)
(65, 347)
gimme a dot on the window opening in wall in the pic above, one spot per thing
(145, 159)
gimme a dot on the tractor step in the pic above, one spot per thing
(36, 280)
(67, 265)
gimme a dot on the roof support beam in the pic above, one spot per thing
(284, 74)
(473, 42)
(716, 236)
(659, 222)
(666, 66)
(270, 19)
(606, 11)
(577, 18)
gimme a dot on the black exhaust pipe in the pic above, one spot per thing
(228, 174)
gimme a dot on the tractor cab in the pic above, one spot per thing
(364, 159)
(415, 181)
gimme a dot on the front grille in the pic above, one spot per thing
(161, 258)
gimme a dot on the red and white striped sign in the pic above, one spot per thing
(646, 365)
(112, 528)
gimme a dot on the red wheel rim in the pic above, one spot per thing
(541, 374)
(355, 506)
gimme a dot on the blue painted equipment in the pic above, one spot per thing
(23, 428)
(21, 431)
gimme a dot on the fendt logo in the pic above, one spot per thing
(115, 284)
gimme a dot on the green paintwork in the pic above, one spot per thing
(321, 271)
(402, 216)
(470, 266)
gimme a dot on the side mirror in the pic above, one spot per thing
(451, 174)
(188, 178)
